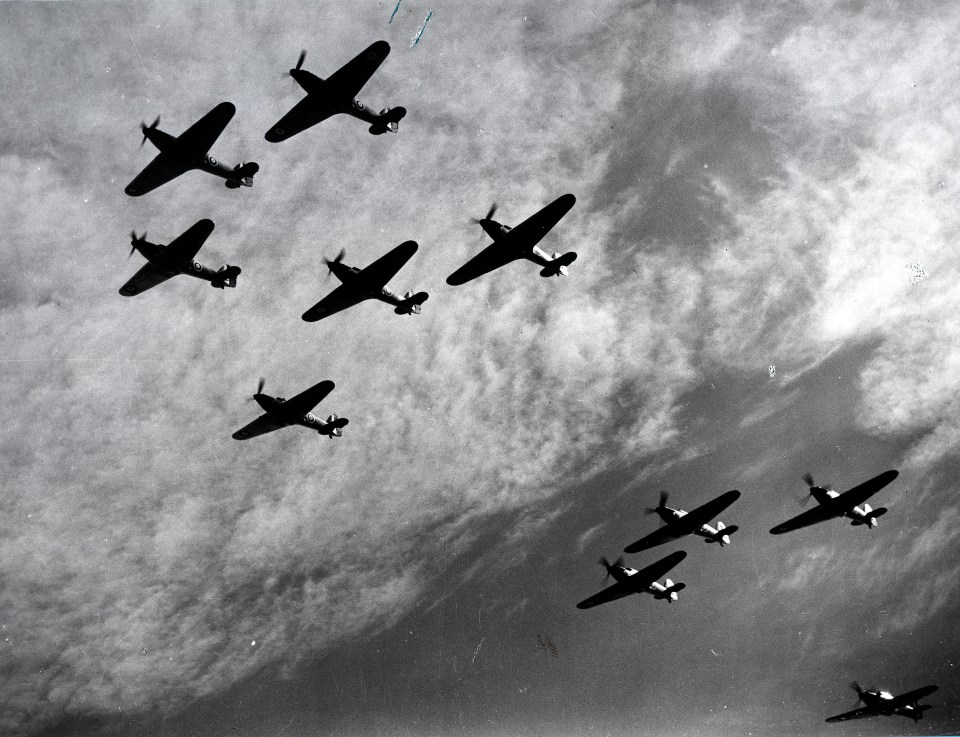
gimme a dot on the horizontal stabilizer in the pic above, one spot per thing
(411, 305)
(558, 266)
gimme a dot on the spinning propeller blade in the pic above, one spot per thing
(608, 565)
(300, 59)
(260, 385)
(144, 128)
(337, 260)
(493, 209)
(134, 239)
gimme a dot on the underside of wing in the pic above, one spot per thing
(706, 512)
(148, 276)
(911, 697)
(186, 245)
(861, 713)
(489, 259)
(349, 79)
(376, 275)
(645, 576)
(306, 113)
(307, 400)
(164, 167)
(341, 298)
(859, 494)
(260, 426)
(199, 137)
(657, 537)
(532, 230)
(611, 593)
(805, 519)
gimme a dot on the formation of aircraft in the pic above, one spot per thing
(337, 94)
(368, 283)
(189, 150)
(510, 244)
(883, 703)
(280, 412)
(831, 504)
(164, 262)
(631, 581)
(680, 524)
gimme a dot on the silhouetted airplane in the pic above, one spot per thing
(368, 283)
(631, 581)
(282, 412)
(189, 151)
(337, 94)
(833, 504)
(680, 523)
(882, 703)
(510, 244)
(164, 262)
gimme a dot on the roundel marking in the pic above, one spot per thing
(130, 289)
(197, 266)
(131, 189)
(212, 160)
(311, 417)
(371, 55)
(279, 131)
(244, 434)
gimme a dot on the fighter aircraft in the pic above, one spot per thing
(850, 504)
(164, 262)
(337, 94)
(883, 703)
(368, 283)
(680, 523)
(631, 581)
(282, 412)
(510, 244)
(189, 151)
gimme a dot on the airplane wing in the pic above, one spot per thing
(611, 593)
(686, 524)
(341, 298)
(861, 713)
(645, 576)
(499, 253)
(349, 79)
(148, 277)
(532, 230)
(911, 697)
(658, 537)
(859, 494)
(376, 275)
(820, 513)
(164, 167)
(260, 426)
(186, 245)
(306, 113)
(199, 137)
(307, 400)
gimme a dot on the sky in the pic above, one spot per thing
(766, 224)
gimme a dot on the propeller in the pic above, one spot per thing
(608, 565)
(303, 55)
(860, 691)
(489, 215)
(144, 128)
(260, 385)
(664, 496)
(808, 480)
(134, 239)
(337, 260)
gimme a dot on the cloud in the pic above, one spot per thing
(751, 184)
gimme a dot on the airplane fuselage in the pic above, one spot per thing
(709, 533)
(863, 514)
(225, 276)
(327, 98)
(240, 175)
(875, 700)
(665, 591)
(273, 406)
(347, 275)
(498, 232)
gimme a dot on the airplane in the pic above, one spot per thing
(164, 262)
(368, 283)
(510, 244)
(282, 412)
(883, 703)
(851, 504)
(189, 150)
(337, 94)
(680, 523)
(631, 581)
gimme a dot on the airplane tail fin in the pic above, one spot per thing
(243, 175)
(226, 277)
(670, 593)
(389, 120)
(334, 427)
(411, 303)
(558, 265)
